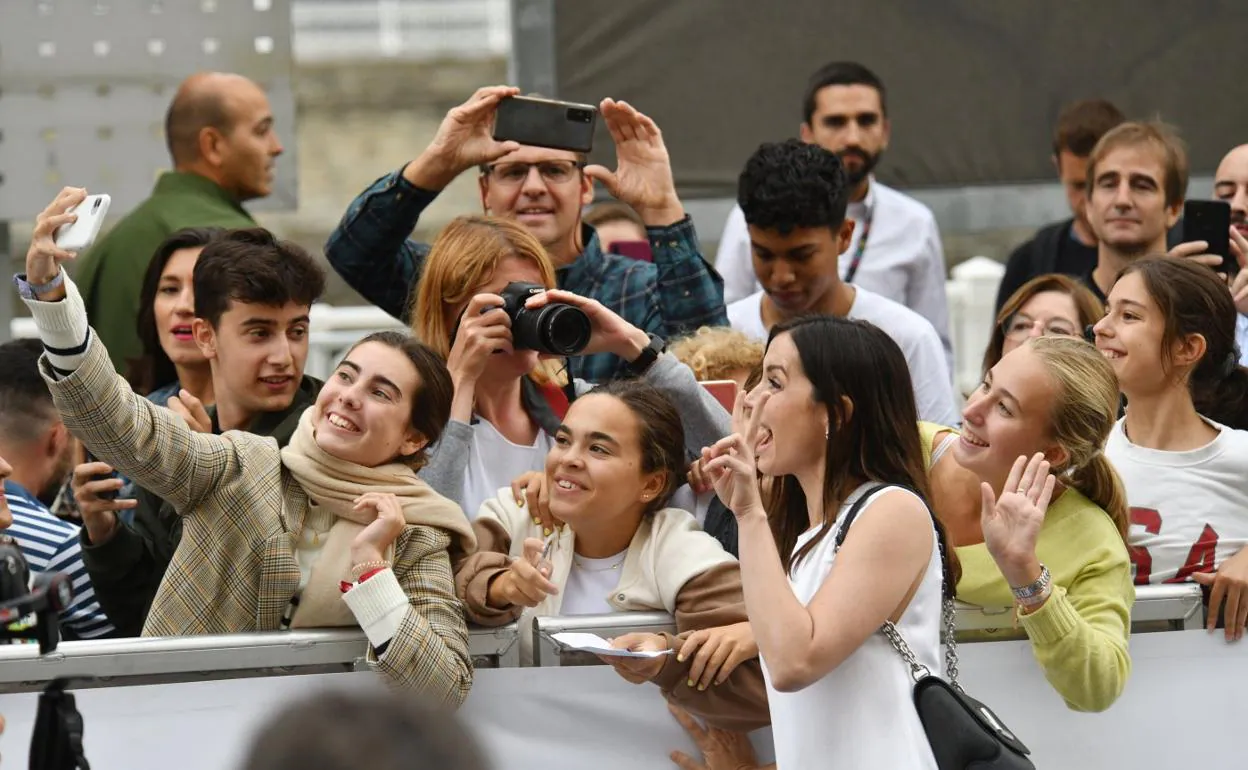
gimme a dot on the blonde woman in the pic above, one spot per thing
(507, 406)
(1044, 410)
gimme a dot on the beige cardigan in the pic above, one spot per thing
(671, 565)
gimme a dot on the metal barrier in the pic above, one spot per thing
(1179, 607)
(159, 660)
(548, 652)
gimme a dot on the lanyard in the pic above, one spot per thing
(862, 247)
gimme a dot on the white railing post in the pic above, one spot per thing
(972, 303)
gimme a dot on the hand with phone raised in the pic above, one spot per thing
(44, 257)
(643, 170)
(464, 139)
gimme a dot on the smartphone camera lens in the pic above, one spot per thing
(95, 206)
(577, 115)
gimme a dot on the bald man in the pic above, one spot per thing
(219, 130)
(1230, 183)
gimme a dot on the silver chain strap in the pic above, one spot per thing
(948, 624)
(917, 669)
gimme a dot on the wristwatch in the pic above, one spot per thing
(1036, 592)
(649, 354)
(29, 290)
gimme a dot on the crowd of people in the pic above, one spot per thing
(473, 472)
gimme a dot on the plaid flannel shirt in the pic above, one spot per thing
(674, 295)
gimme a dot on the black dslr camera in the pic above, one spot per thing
(556, 328)
(56, 743)
(27, 613)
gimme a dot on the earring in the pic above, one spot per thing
(826, 434)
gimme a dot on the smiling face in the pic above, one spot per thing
(257, 354)
(1131, 336)
(546, 197)
(595, 470)
(793, 426)
(1127, 205)
(364, 411)
(174, 308)
(1008, 416)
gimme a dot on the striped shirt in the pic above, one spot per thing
(51, 545)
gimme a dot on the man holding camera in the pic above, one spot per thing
(544, 190)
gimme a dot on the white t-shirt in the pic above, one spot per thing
(494, 462)
(1189, 510)
(861, 714)
(933, 389)
(904, 260)
(589, 584)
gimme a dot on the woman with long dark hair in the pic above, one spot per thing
(171, 360)
(1170, 338)
(834, 423)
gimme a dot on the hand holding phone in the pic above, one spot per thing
(1210, 221)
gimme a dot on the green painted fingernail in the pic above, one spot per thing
(546, 531)
(690, 683)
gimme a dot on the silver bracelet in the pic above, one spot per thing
(1030, 593)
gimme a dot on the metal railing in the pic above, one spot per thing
(156, 660)
(151, 660)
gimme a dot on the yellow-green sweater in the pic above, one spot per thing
(1079, 636)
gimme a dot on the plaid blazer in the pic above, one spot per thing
(242, 512)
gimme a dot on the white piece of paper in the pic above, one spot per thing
(596, 644)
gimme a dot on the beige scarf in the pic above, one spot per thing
(333, 485)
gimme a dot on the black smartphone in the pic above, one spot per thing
(546, 123)
(110, 494)
(1210, 221)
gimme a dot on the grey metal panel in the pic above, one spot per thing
(85, 84)
(532, 65)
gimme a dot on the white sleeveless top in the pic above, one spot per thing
(861, 714)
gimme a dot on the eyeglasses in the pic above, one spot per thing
(552, 171)
(1019, 327)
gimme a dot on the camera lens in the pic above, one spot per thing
(577, 115)
(558, 329)
(95, 206)
(564, 329)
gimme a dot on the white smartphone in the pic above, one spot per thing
(81, 233)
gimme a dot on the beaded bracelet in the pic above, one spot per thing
(367, 566)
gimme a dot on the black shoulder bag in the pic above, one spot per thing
(962, 732)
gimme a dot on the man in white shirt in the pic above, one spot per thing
(794, 196)
(895, 248)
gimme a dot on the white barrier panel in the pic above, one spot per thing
(1182, 708)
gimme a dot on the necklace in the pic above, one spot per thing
(584, 563)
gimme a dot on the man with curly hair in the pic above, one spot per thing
(794, 196)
